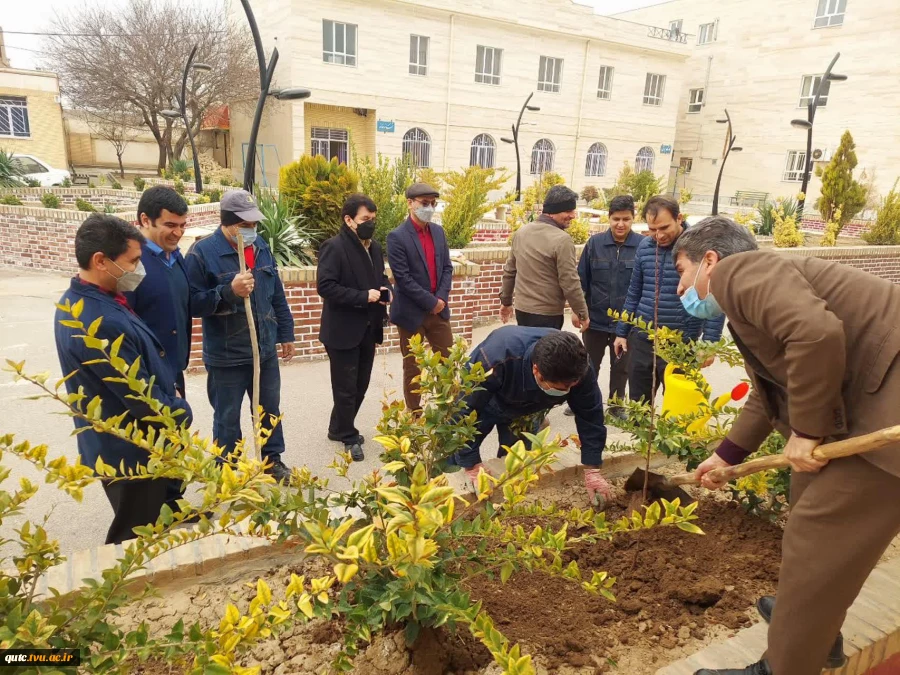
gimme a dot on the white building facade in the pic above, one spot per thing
(762, 61)
(445, 82)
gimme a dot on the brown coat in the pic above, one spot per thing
(820, 342)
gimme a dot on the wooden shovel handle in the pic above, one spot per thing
(845, 448)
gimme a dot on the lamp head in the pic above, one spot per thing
(170, 114)
(837, 78)
(535, 108)
(506, 140)
(736, 149)
(201, 66)
(801, 124)
(722, 121)
(291, 94)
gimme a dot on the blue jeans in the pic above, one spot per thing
(492, 415)
(226, 387)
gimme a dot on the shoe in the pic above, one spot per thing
(355, 450)
(359, 439)
(766, 605)
(758, 668)
(278, 470)
(568, 412)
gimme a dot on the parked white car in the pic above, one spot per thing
(37, 169)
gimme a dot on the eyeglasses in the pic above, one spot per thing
(427, 202)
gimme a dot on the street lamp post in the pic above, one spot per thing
(515, 141)
(811, 107)
(729, 148)
(182, 113)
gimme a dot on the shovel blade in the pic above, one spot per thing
(657, 487)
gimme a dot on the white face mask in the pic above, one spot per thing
(129, 281)
(424, 213)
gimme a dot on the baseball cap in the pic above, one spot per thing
(242, 204)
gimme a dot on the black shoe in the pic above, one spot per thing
(758, 668)
(355, 450)
(277, 469)
(568, 412)
(766, 605)
(359, 439)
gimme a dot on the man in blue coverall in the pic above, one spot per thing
(532, 370)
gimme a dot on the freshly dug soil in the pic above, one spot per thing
(676, 592)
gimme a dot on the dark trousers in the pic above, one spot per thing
(226, 387)
(439, 335)
(134, 503)
(539, 320)
(351, 370)
(597, 342)
(640, 370)
(489, 417)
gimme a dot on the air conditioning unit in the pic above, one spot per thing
(822, 154)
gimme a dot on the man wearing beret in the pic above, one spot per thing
(423, 273)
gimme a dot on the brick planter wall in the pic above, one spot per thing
(492, 231)
(854, 228)
(97, 197)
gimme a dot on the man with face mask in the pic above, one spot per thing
(354, 289)
(108, 251)
(531, 370)
(218, 290)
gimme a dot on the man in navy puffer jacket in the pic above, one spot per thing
(665, 224)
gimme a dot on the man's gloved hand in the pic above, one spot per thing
(599, 491)
(473, 471)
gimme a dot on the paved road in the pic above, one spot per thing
(26, 332)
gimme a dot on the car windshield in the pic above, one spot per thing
(28, 165)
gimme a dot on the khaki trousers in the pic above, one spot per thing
(440, 336)
(841, 521)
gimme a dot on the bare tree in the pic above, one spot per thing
(118, 127)
(109, 56)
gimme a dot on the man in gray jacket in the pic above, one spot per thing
(541, 272)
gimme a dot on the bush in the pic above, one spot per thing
(786, 232)
(580, 230)
(212, 171)
(213, 194)
(641, 185)
(428, 175)
(385, 182)
(179, 186)
(747, 219)
(116, 185)
(10, 172)
(842, 196)
(765, 219)
(109, 207)
(590, 193)
(10, 200)
(885, 231)
(83, 205)
(467, 201)
(316, 189)
(91, 184)
(50, 200)
(139, 183)
(201, 199)
(32, 182)
(66, 182)
(291, 241)
(180, 167)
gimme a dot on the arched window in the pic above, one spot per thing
(596, 160)
(644, 160)
(417, 144)
(482, 152)
(542, 156)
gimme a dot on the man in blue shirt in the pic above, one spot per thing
(108, 251)
(218, 290)
(531, 370)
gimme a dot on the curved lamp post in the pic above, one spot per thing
(807, 124)
(729, 148)
(182, 113)
(515, 141)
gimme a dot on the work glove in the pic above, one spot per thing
(599, 491)
(473, 471)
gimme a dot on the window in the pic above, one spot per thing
(653, 89)
(417, 144)
(542, 156)
(686, 164)
(481, 152)
(675, 26)
(418, 55)
(707, 33)
(549, 74)
(330, 143)
(338, 42)
(830, 13)
(487, 64)
(794, 167)
(604, 86)
(696, 100)
(644, 160)
(596, 160)
(14, 117)
(808, 86)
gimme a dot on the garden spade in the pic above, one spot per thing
(662, 487)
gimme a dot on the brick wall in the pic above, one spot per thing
(97, 197)
(854, 228)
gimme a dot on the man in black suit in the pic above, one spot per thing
(423, 274)
(355, 291)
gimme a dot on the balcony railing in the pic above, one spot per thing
(667, 34)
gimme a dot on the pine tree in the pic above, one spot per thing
(885, 231)
(840, 191)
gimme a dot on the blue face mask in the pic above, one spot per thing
(705, 308)
(248, 234)
(556, 392)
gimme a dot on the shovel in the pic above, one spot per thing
(662, 487)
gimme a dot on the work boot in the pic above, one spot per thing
(359, 439)
(766, 605)
(278, 470)
(758, 668)
(355, 450)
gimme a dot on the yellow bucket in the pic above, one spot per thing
(683, 397)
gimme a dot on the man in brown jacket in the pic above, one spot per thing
(820, 342)
(542, 269)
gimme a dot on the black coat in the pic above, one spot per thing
(346, 272)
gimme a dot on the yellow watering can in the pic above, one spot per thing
(683, 397)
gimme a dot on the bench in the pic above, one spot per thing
(741, 197)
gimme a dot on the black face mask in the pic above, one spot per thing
(366, 230)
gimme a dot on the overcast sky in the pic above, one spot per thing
(34, 16)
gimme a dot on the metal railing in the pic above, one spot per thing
(667, 34)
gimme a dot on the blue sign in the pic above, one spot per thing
(385, 126)
(665, 149)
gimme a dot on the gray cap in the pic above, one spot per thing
(421, 190)
(242, 204)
